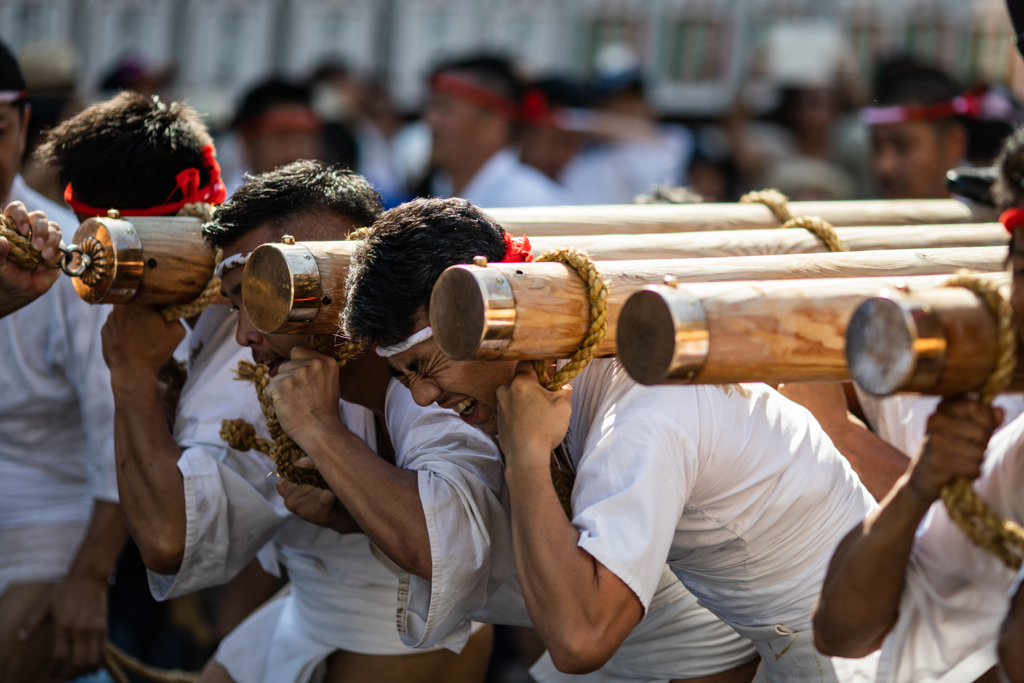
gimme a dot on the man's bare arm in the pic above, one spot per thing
(384, 500)
(860, 598)
(136, 343)
(78, 606)
(876, 462)
(1011, 640)
(581, 610)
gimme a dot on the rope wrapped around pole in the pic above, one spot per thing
(779, 205)
(597, 293)
(977, 519)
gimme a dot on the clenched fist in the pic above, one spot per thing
(305, 393)
(954, 446)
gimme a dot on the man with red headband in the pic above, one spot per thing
(56, 449)
(473, 113)
(908, 580)
(916, 135)
(277, 125)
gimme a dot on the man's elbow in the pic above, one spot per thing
(579, 653)
(840, 642)
(162, 555)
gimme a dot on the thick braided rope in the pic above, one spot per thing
(779, 205)
(985, 528)
(282, 450)
(821, 228)
(773, 199)
(116, 662)
(22, 252)
(597, 293)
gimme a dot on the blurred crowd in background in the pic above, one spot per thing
(802, 112)
(717, 100)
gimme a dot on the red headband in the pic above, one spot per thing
(448, 83)
(968, 104)
(1012, 219)
(285, 120)
(517, 249)
(187, 182)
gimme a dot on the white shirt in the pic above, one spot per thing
(506, 182)
(56, 405)
(956, 594)
(465, 503)
(342, 587)
(901, 420)
(738, 488)
(616, 172)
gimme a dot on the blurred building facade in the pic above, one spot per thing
(696, 55)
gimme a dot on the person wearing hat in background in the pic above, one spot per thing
(277, 125)
(473, 112)
(61, 529)
(908, 580)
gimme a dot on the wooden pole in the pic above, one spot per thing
(279, 299)
(158, 260)
(769, 331)
(297, 287)
(540, 310)
(774, 241)
(941, 342)
(644, 218)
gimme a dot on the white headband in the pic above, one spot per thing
(230, 263)
(406, 344)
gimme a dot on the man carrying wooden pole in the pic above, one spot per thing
(436, 506)
(650, 466)
(927, 577)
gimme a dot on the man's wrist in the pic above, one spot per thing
(133, 382)
(322, 437)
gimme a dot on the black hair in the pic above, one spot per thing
(1008, 190)
(126, 152)
(907, 82)
(490, 72)
(11, 77)
(268, 94)
(392, 275)
(565, 92)
(303, 187)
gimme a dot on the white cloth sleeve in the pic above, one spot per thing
(227, 524)
(632, 484)
(89, 374)
(461, 487)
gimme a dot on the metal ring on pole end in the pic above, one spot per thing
(895, 344)
(662, 336)
(281, 288)
(115, 243)
(472, 312)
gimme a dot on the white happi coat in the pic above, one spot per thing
(465, 502)
(343, 590)
(56, 422)
(956, 594)
(504, 181)
(736, 487)
(901, 420)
